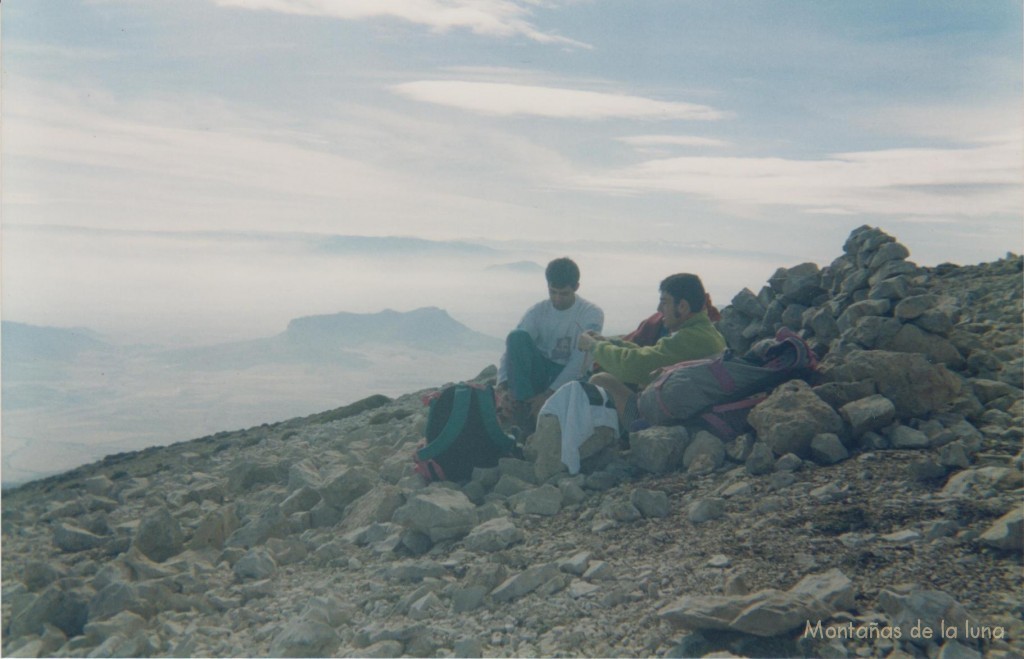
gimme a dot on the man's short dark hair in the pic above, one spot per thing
(684, 286)
(562, 272)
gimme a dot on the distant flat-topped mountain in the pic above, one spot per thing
(427, 328)
(344, 339)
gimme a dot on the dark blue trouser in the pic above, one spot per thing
(529, 371)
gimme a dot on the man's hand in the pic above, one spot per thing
(586, 340)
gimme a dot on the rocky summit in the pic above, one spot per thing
(874, 509)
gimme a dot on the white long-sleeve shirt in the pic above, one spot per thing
(555, 332)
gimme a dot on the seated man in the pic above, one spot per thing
(653, 327)
(541, 353)
(629, 367)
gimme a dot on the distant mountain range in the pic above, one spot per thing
(33, 342)
(520, 267)
(427, 328)
(342, 339)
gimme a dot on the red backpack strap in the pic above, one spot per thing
(429, 470)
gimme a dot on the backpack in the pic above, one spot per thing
(462, 433)
(720, 389)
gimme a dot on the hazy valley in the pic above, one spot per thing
(71, 397)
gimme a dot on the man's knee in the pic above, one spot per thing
(518, 340)
(604, 379)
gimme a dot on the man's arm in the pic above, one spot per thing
(579, 360)
(634, 365)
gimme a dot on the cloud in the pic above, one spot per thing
(490, 18)
(980, 180)
(80, 155)
(642, 141)
(495, 98)
(984, 123)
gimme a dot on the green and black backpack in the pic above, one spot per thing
(462, 433)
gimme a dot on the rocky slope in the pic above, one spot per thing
(867, 508)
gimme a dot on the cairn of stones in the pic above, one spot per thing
(873, 509)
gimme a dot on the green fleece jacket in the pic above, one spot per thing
(633, 364)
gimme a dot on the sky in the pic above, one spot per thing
(193, 171)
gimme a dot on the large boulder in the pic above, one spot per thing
(658, 449)
(768, 612)
(494, 535)
(345, 485)
(377, 505)
(66, 610)
(159, 535)
(915, 386)
(439, 513)
(544, 448)
(1007, 533)
(938, 350)
(790, 418)
(868, 414)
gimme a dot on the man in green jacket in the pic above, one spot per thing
(690, 335)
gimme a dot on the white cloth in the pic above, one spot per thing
(578, 419)
(555, 332)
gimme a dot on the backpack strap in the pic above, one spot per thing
(429, 470)
(489, 416)
(456, 422)
(722, 376)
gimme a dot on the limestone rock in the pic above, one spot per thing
(761, 460)
(980, 481)
(576, 564)
(71, 539)
(247, 474)
(377, 505)
(305, 638)
(777, 613)
(493, 535)
(256, 564)
(706, 510)
(832, 588)
(868, 414)
(543, 500)
(790, 418)
(926, 608)
(704, 444)
(269, 522)
(544, 448)
(915, 386)
(439, 513)
(159, 535)
(658, 449)
(1007, 533)
(913, 339)
(650, 503)
(525, 582)
(826, 449)
(214, 529)
(63, 609)
(345, 485)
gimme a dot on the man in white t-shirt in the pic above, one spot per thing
(541, 354)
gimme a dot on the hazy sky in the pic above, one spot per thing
(183, 166)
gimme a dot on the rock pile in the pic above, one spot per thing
(873, 511)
